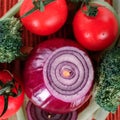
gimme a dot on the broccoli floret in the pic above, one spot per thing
(108, 98)
(108, 91)
(10, 39)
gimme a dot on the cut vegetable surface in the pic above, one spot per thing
(58, 74)
(35, 113)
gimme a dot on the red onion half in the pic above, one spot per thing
(35, 113)
(58, 76)
(67, 73)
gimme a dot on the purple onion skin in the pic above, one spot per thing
(34, 84)
(36, 113)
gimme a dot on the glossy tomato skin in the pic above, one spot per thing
(98, 32)
(14, 103)
(44, 22)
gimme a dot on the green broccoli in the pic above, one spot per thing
(108, 91)
(10, 39)
(10, 36)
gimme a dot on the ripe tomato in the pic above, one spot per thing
(11, 94)
(44, 22)
(98, 32)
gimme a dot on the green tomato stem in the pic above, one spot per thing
(13, 10)
(38, 5)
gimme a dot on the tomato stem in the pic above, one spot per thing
(38, 5)
(91, 10)
(6, 90)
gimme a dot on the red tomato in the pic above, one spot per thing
(98, 32)
(44, 22)
(14, 103)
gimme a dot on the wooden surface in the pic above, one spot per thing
(30, 40)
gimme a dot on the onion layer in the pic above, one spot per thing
(35, 113)
(58, 74)
(68, 73)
